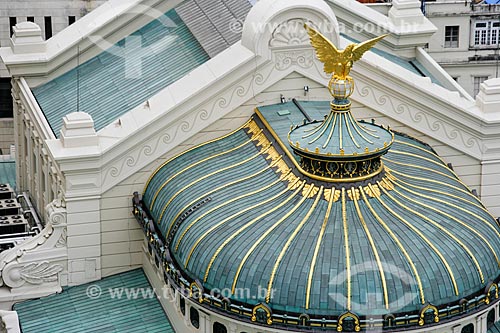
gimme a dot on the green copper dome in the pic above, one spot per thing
(237, 219)
(340, 136)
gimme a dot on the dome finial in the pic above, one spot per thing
(339, 62)
(339, 148)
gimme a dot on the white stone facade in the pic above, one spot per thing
(473, 54)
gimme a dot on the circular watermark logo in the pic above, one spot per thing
(372, 299)
(94, 291)
(133, 50)
(236, 26)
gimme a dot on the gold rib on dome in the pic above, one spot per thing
(258, 219)
(374, 249)
(245, 125)
(330, 197)
(290, 240)
(339, 149)
(232, 166)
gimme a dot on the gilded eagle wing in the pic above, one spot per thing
(325, 50)
(360, 49)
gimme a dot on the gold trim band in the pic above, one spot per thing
(308, 174)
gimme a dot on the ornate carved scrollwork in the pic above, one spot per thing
(290, 33)
(39, 260)
(34, 273)
(285, 59)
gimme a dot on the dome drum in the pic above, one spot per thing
(341, 160)
(340, 171)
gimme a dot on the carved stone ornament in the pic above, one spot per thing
(426, 121)
(40, 259)
(62, 241)
(39, 273)
(301, 58)
(290, 33)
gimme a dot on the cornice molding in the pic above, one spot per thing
(427, 108)
(189, 122)
(414, 115)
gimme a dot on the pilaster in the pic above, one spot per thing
(77, 155)
(204, 322)
(488, 98)
(19, 130)
(406, 12)
(478, 325)
(488, 102)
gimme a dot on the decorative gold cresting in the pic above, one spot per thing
(339, 62)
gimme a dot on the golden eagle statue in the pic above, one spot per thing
(338, 62)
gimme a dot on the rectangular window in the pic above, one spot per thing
(5, 98)
(451, 36)
(477, 83)
(71, 20)
(12, 23)
(48, 27)
(486, 33)
(495, 28)
(30, 19)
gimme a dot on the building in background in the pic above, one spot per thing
(466, 42)
(52, 17)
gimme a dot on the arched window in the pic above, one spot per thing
(194, 315)
(182, 305)
(468, 329)
(490, 320)
(219, 328)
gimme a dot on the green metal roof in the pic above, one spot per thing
(237, 213)
(340, 132)
(73, 311)
(125, 75)
(8, 173)
(495, 328)
(413, 65)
